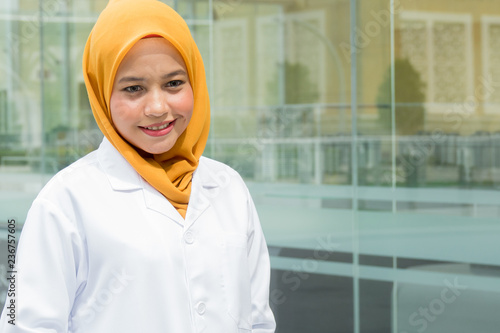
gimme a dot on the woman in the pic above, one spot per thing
(144, 234)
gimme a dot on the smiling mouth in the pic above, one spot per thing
(158, 128)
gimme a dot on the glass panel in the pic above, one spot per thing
(20, 111)
(280, 116)
(392, 226)
(191, 9)
(423, 225)
(450, 306)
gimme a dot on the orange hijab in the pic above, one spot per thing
(121, 24)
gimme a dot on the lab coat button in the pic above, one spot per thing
(200, 308)
(188, 237)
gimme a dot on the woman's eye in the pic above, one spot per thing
(132, 89)
(175, 83)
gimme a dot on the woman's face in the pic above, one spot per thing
(152, 99)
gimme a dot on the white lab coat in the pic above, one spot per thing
(102, 251)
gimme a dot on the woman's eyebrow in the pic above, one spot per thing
(130, 79)
(140, 79)
(174, 73)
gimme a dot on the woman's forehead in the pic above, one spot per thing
(152, 53)
(153, 46)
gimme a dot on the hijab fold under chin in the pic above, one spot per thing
(118, 28)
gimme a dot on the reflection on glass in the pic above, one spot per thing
(424, 209)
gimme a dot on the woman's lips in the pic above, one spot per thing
(159, 129)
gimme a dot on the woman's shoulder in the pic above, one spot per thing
(76, 172)
(214, 173)
(93, 172)
(208, 165)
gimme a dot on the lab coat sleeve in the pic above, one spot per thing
(260, 270)
(50, 270)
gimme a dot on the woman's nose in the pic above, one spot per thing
(156, 105)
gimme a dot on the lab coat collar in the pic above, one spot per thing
(154, 200)
(204, 187)
(121, 175)
(207, 176)
(199, 200)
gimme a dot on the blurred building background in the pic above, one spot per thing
(368, 132)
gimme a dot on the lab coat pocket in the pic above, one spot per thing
(237, 281)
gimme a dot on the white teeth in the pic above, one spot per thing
(156, 128)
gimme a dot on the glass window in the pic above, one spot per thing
(368, 132)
